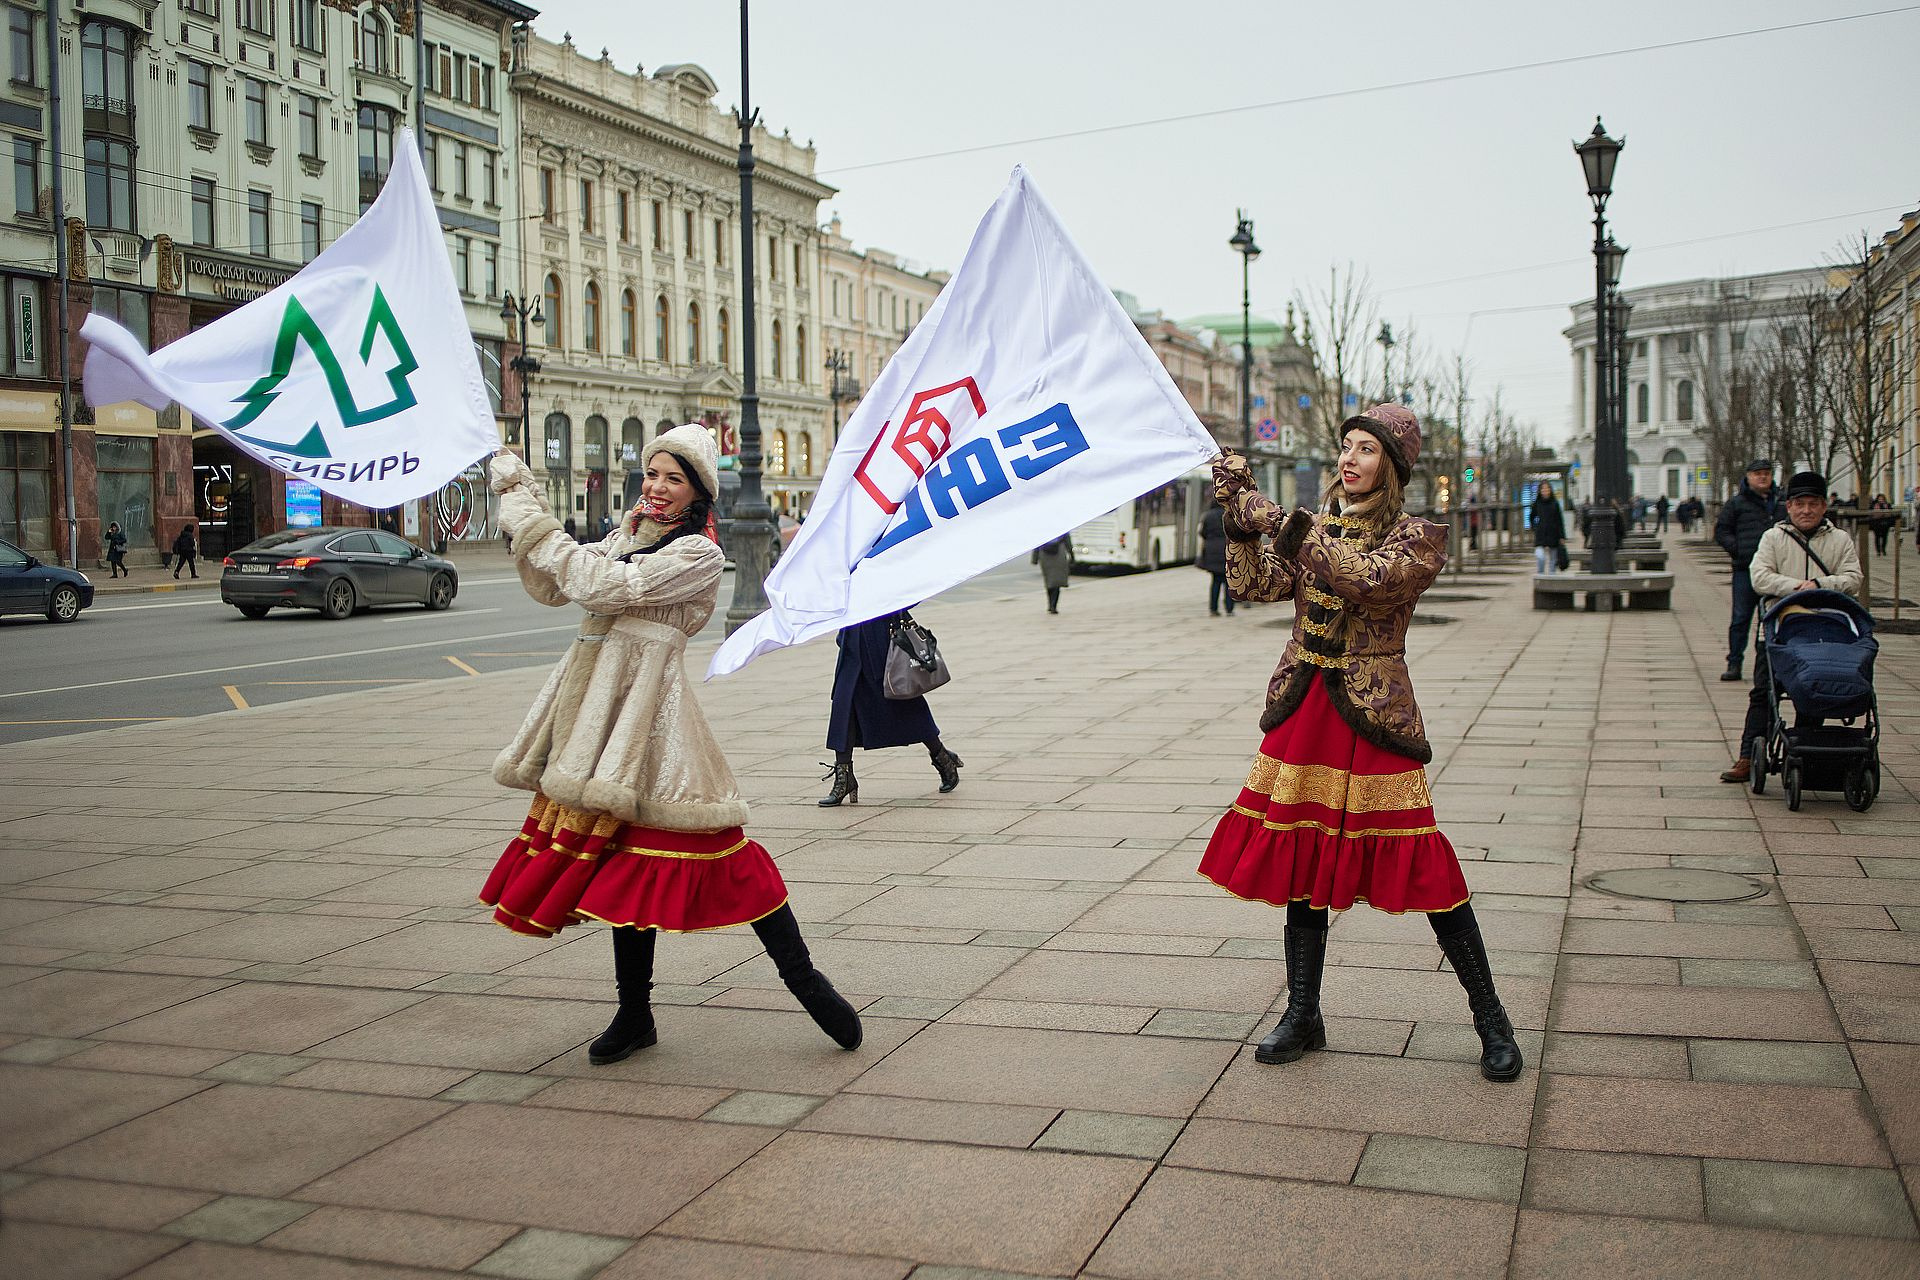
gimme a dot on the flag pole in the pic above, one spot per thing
(751, 539)
(54, 121)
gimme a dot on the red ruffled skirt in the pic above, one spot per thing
(569, 865)
(1329, 819)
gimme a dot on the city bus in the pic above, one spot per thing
(1156, 529)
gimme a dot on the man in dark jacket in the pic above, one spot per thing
(1213, 560)
(184, 551)
(1751, 511)
(1549, 531)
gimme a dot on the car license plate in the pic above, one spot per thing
(256, 568)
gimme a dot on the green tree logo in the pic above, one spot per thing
(296, 327)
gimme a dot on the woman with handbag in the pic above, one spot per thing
(1335, 809)
(1549, 534)
(864, 716)
(636, 817)
(1056, 565)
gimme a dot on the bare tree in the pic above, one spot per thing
(1865, 366)
(1724, 367)
(1805, 341)
(1338, 333)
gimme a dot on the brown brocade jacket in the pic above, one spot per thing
(1353, 589)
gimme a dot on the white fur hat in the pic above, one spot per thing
(694, 446)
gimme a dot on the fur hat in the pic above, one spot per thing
(1397, 430)
(1807, 484)
(696, 449)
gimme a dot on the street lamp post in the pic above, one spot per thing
(837, 363)
(1598, 155)
(1242, 244)
(751, 527)
(1385, 339)
(523, 314)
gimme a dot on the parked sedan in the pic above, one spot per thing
(29, 586)
(336, 571)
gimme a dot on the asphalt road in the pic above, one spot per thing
(137, 658)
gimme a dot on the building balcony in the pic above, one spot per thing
(109, 116)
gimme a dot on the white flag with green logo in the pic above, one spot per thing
(358, 374)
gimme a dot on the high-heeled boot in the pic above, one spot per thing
(1500, 1058)
(1300, 1028)
(632, 1027)
(845, 786)
(780, 935)
(947, 764)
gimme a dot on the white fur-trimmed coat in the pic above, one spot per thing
(616, 728)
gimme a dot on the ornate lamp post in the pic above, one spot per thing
(837, 363)
(751, 529)
(1242, 244)
(1598, 155)
(518, 311)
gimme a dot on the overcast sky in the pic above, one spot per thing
(1462, 199)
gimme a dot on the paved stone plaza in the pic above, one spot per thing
(258, 1027)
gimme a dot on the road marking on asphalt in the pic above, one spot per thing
(96, 720)
(368, 680)
(287, 662)
(524, 653)
(463, 666)
(239, 703)
(170, 604)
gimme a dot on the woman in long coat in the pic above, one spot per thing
(1549, 531)
(1335, 809)
(864, 717)
(1212, 560)
(1056, 567)
(636, 818)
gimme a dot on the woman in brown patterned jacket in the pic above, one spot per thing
(1336, 809)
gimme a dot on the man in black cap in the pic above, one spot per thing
(1749, 513)
(1804, 552)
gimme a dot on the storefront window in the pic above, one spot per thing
(596, 443)
(26, 490)
(125, 465)
(558, 457)
(632, 435)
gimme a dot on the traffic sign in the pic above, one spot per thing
(1267, 430)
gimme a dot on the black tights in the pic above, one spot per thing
(779, 933)
(1446, 924)
(844, 759)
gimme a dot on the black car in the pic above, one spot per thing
(28, 586)
(336, 571)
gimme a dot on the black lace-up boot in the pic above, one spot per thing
(946, 763)
(1300, 1027)
(845, 786)
(1499, 1053)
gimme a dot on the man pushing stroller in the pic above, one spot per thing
(1804, 552)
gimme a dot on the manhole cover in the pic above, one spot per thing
(1676, 884)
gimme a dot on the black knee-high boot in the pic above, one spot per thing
(1300, 1028)
(1459, 936)
(632, 1027)
(780, 935)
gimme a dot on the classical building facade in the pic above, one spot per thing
(211, 151)
(633, 253)
(873, 299)
(1684, 340)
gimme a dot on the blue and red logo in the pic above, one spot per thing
(917, 459)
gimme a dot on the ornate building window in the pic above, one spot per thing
(372, 51)
(693, 333)
(777, 453)
(633, 437)
(800, 352)
(629, 323)
(776, 349)
(1641, 402)
(803, 450)
(726, 340)
(660, 322)
(590, 316)
(551, 310)
(1683, 400)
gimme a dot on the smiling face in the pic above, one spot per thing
(1361, 459)
(666, 488)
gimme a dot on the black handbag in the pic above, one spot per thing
(914, 664)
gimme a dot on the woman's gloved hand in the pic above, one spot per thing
(1248, 514)
(506, 470)
(1231, 474)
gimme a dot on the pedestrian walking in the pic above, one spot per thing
(116, 541)
(1549, 532)
(184, 552)
(1660, 509)
(1056, 565)
(1336, 808)
(865, 718)
(1881, 525)
(1804, 552)
(636, 818)
(1749, 513)
(571, 529)
(1213, 560)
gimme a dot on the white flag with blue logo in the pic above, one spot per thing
(358, 374)
(1024, 403)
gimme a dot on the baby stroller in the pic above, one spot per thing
(1820, 649)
